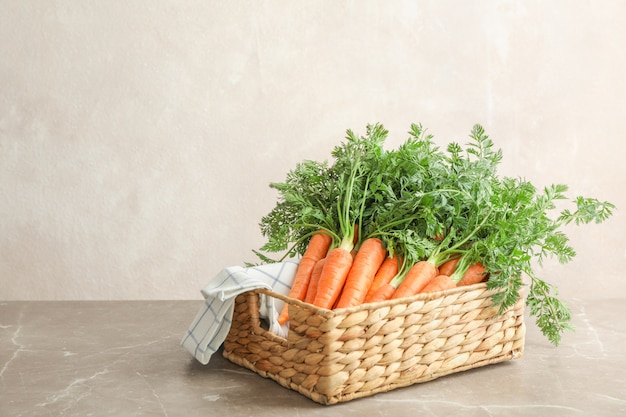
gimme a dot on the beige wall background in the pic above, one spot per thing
(138, 139)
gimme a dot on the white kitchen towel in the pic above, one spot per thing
(209, 328)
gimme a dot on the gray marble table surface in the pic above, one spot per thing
(123, 358)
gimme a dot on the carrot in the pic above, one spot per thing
(466, 272)
(369, 257)
(383, 276)
(474, 274)
(316, 249)
(384, 292)
(333, 277)
(439, 283)
(416, 279)
(447, 268)
(314, 281)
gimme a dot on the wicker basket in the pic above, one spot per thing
(333, 356)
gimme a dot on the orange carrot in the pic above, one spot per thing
(384, 292)
(333, 278)
(317, 249)
(314, 281)
(416, 278)
(474, 274)
(384, 275)
(368, 259)
(439, 283)
(447, 268)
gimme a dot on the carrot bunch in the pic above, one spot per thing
(371, 274)
(375, 225)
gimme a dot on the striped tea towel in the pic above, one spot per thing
(212, 323)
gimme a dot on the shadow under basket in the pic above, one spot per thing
(333, 356)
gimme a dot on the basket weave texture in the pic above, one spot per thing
(333, 356)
